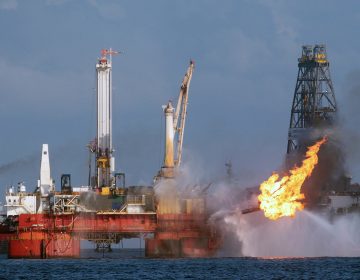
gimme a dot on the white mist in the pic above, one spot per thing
(306, 235)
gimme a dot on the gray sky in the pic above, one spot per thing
(240, 96)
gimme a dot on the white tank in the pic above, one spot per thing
(112, 164)
(22, 188)
(11, 190)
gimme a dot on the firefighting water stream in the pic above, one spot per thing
(307, 235)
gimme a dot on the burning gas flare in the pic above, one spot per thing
(282, 197)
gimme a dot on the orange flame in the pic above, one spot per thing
(281, 197)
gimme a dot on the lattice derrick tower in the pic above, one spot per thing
(314, 104)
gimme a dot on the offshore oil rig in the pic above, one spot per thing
(48, 223)
(314, 114)
(173, 219)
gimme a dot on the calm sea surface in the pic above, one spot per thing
(128, 266)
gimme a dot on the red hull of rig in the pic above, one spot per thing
(58, 236)
(39, 246)
(182, 235)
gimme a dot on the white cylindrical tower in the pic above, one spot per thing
(167, 170)
(169, 136)
(104, 125)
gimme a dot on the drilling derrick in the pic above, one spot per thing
(105, 162)
(313, 115)
(314, 104)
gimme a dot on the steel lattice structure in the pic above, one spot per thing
(314, 104)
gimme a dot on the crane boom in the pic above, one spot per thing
(175, 124)
(181, 109)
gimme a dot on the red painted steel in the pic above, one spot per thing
(44, 245)
(182, 235)
(123, 223)
(89, 222)
(52, 236)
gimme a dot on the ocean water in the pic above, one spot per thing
(128, 266)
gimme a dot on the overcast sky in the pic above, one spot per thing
(240, 96)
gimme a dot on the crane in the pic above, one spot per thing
(180, 112)
(175, 124)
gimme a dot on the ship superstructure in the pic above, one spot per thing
(18, 201)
